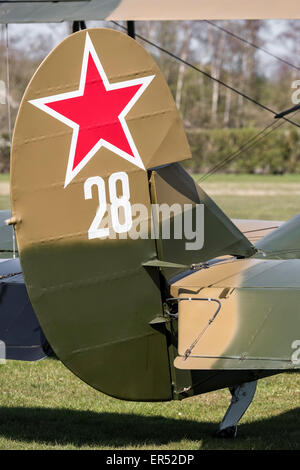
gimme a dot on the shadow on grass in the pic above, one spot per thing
(83, 428)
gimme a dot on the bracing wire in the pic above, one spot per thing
(257, 137)
(249, 43)
(208, 75)
(245, 147)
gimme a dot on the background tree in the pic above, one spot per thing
(216, 118)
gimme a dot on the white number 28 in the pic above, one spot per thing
(117, 202)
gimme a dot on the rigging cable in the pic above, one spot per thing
(230, 33)
(246, 146)
(250, 142)
(174, 56)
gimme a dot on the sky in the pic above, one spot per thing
(55, 32)
(58, 31)
(27, 35)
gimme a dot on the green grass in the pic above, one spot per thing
(249, 178)
(269, 197)
(44, 406)
(270, 208)
(4, 191)
(4, 202)
(4, 177)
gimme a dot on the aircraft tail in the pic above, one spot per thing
(90, 139)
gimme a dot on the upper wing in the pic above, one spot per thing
(69, 10)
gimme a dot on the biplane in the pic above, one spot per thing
(126, 268)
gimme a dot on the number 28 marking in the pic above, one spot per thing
(116, 202)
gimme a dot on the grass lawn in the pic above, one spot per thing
(269, 197)
(44, 406)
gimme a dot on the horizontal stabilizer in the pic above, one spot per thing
(257, 324)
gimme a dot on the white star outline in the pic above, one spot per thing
(40, 103)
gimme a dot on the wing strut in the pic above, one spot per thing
(78, 26)
(131, 29)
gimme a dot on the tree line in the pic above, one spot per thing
(218, 121)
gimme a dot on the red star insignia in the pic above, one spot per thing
(96, 112)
